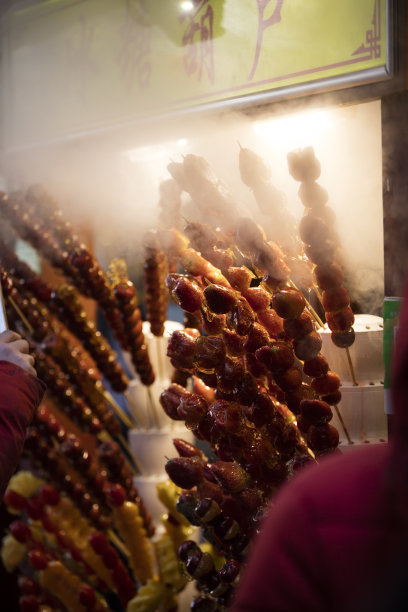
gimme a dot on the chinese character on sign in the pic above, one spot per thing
(264, 23)
(372, 46)
(78, 52)
(198, 38)
(134, 55)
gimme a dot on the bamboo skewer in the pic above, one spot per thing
(310, 307)
(349, 440)
(160, 366)
(104, 436)
(3, 316)
(118, 543)
(140, 418)
(353, 376)
(155, 417)
(21, 315)
(137, 469)
(123, 417)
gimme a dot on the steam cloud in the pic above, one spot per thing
(109, 182)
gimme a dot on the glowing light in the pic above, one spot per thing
(296, 130)
(155, 152)
(186, 6)
(145, 154)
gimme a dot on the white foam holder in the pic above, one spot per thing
(144, 403)
(151, 447)
(366, 353)
(362, 410)
(157, 349)
(146, 485)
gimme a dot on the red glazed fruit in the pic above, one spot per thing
(326, 384)
(297, 328)
(308, 347)
(340, 321)
(328, 276)
(316, 366)
(335, 299)
(288, 303)
(316, 411)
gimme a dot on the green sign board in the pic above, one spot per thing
(75, 65)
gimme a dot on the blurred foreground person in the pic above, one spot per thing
(336, 537)
(20, 394)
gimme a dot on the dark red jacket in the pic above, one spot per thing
(336, 536)
(20, 394)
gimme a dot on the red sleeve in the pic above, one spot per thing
(20, 394)
(282, 574)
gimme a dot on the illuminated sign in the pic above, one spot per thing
(76, 65)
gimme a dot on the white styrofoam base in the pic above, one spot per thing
(362, 411)
(151, 447)
(366, 353)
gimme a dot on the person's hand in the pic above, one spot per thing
(14, 348)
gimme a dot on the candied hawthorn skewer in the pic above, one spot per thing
(155, 272)
(241, 320)
(289, 303)
(217, 585)
(71, 312)
(80, 264)
(272, 204)
(169, 204)
(225, 426)
(25, 274)
(125, 294)
(51, 463)
(314, 422)
(25, 310)
(212, 198)
(322, 246)
(39, 321)
(110, 455)
(97, 479)
(20, 213)
(175, 244)
(86, 380)
(90, 275)
(76, 408)
(46, 208)
(187, 350)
